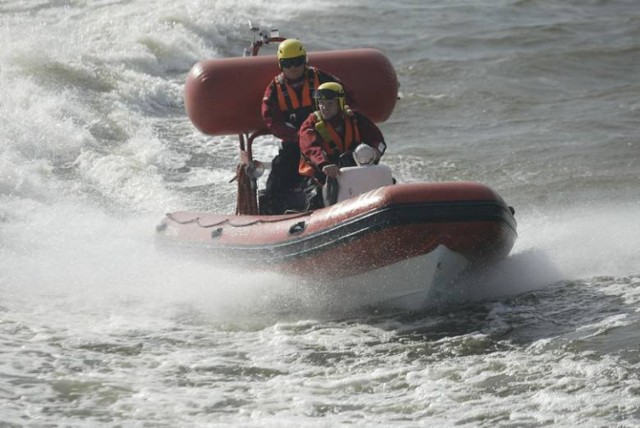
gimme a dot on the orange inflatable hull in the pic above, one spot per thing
(430, 205)
(390, 247)
(224, 96)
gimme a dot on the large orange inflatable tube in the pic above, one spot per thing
(223, 96)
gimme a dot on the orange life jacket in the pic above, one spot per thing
(332, 144)
(288, 98)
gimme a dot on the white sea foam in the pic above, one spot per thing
(585, 241)
(99, 328)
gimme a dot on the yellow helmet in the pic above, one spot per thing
(291, 48)
(330, 91)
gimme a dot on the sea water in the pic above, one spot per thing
(537, 99)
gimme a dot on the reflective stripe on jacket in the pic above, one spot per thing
(287, 96)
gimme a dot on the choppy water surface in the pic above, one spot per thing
(537, 99)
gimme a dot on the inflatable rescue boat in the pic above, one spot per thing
(378, 243)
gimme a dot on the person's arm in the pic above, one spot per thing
(275, 119)
(370, 134)
(311, 144)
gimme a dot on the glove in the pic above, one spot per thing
(331, 170)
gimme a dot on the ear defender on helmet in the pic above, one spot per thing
(330, 91)
(291, 53)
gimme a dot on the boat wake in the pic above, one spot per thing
(97, 262)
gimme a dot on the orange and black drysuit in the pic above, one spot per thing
(285, 106)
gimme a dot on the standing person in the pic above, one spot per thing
(330, 132)
(287, 102)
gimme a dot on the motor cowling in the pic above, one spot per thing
(356, 180)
